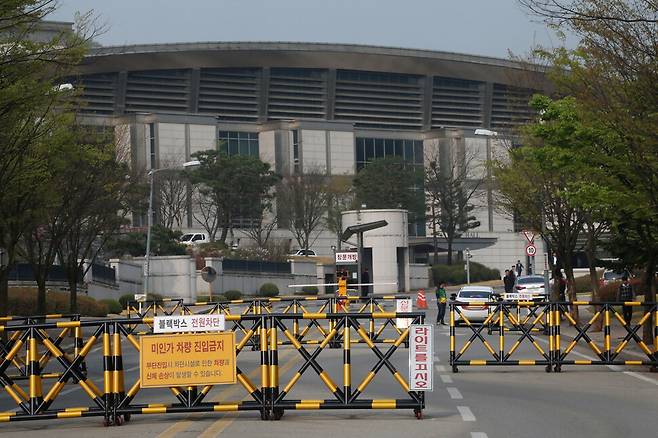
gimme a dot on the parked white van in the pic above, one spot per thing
(194, 238)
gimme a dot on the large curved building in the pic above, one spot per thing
(303, 106)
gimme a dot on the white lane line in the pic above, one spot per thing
(612, 367)
(454, 393)
(641, 377)
(478, 435)
(466, 413)
(136, 367)
(440, 368)
(445, 378)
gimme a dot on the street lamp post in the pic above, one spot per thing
(149, 219)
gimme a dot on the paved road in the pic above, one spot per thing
(476, 402)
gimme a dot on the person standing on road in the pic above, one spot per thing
(509, 284)
(441, 300)
(365, 278)
(508, 288)
(519, 268)
(626, 292)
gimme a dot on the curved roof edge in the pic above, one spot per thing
(306, 47)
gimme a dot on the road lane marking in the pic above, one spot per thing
(454, 393)
(216, 428)
(466, 413)
(641, 377)
(440, 368)
(136, 367)
(478, 435)
(613, 367)
(445, 378)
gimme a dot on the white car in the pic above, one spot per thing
(304, 253)
(194, 238)
(530, 285)
(473, 294)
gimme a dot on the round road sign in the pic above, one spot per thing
(208, 274)
(530, 250)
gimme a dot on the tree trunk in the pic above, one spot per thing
(571, 292)
(594, 280)
(41, 294)
(449, 251)
(650, 297)
(73, 287)
(4, 290)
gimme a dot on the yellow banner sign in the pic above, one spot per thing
(187, 360)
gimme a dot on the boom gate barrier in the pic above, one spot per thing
(542, 322)
(115, 399)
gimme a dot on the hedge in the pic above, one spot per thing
(609, 291)
(125, 298)
(268, 290)
(233, 294)
(113, 306)
(206, 298)
(23, 302)
(309, 290)
(455, 274)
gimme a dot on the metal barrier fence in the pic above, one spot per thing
(306, 332)
(531, 322)
(114, 399)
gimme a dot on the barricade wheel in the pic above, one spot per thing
(548, 368)
(558, 369)
(418, 413)
(118, 420)
(126, 417)
(264, 414)
(455, 369)
(106, 422)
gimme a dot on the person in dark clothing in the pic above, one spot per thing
(506, 282)
(511, 279)
(626, 292)
(365, 278)
(518, 268)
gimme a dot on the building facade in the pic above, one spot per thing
(320, 107)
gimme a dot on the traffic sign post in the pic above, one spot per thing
(530, 250)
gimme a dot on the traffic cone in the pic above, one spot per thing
(421, 302)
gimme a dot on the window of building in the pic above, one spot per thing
(411, 151)
(238, 143)
(368, 149)
(295, 150)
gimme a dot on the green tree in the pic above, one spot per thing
(340, 197)
(390, 183)
(29, 74)
(613, 75)
(230, 187)
(164, 242)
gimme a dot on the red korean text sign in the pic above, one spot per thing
(187, 360)
(421, 357)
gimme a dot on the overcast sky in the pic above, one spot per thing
(481, 27)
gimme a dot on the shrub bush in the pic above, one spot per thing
(268, 290)
(309, 290)
(455, 274)
(113, 306)
(154, 297)
(124, 299)
(233, 294)
(206, 298)
(23, 302)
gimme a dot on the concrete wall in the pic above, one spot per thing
(341, 153)
(419, 276)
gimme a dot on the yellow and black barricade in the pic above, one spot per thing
(511, 330)
(544, 323)
(114, 397)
